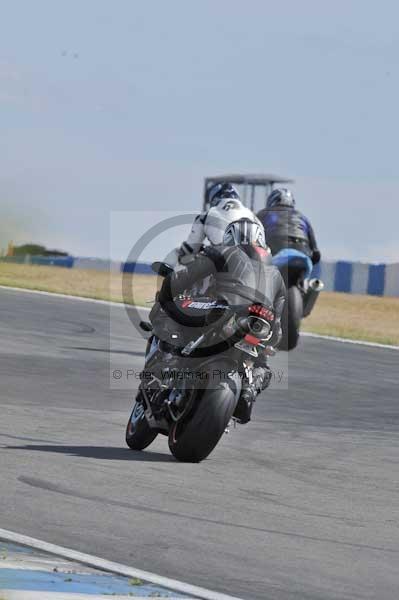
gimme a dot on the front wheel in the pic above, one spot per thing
(193, 438)
(139, 434)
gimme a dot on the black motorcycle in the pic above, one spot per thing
(197, 354)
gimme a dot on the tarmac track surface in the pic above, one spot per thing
(301, 503)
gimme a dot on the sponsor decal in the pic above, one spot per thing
(201, 305)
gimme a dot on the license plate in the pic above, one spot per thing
(248, 348)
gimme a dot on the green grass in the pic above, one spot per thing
(135, 581)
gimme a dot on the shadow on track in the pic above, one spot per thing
(105, 350)
(98, 452)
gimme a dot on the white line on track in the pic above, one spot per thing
(348, 341)
(113, 567)
(144, 308)
(66, 296)
(30, 595)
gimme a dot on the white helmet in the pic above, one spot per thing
(245, 233)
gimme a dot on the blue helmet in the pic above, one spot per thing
(220, 191)
(280, 197)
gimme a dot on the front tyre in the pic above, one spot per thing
(194, 438)
(139, 434)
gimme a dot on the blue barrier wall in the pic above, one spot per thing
(47, 261)
(343, 276)
(359, 278)
(376, 280)
(133, 267)
(54, 261)
(340, 276)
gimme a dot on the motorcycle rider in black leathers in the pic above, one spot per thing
(287, 227)
(242, 274)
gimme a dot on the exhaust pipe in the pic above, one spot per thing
(315, 286)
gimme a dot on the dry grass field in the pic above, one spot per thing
(80, 282)
(366, 318)
(353, 316)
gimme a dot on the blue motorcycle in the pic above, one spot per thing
(302, 292)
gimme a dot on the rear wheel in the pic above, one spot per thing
(291, 321)
(139, 434)
(193, 438)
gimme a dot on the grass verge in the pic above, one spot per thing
(367, 318)
(357, 317)
(102, 285)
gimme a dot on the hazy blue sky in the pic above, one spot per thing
(125, 104)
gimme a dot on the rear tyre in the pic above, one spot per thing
(194, 438)
(291, 321)
(139, 434)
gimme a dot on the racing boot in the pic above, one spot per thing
(261, 377)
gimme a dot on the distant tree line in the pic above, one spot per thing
(36, 250)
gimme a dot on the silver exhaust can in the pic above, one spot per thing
(315, 286)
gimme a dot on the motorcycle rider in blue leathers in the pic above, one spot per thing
(286, 227)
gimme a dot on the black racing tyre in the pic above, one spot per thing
(193, 438)
(291, 321)
(139, 434)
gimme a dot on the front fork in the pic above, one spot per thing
(159, 380)
(153, 352)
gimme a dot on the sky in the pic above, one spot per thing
(127, 105)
